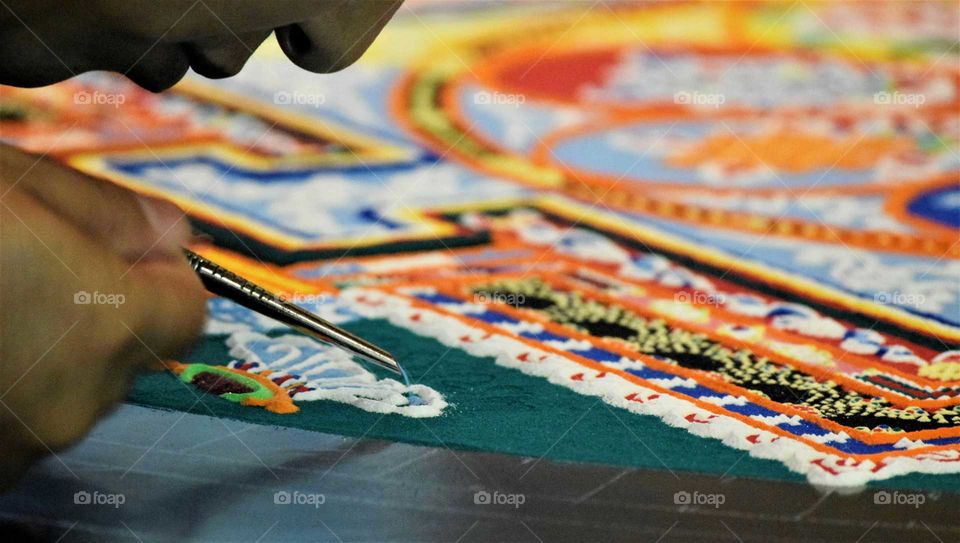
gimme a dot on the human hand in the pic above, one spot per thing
(93, 288)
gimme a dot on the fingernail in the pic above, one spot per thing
(168, 222)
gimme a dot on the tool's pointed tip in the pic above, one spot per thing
(383, 359)
(391, 364)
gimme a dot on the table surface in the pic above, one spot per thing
(186, 477)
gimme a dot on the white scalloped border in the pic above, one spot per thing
(818, 467)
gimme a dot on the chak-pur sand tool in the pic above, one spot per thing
(250, 295)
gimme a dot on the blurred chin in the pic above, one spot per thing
(159, 77)
(154, 69)
(159, 69)
(9, 75)
(20, 70)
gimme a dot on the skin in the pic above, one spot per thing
(65, 364)
(153, 43)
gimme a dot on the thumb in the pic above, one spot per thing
(166, 306)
